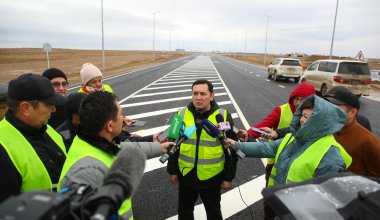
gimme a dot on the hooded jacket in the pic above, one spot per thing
(325, 119)
(303, 90)
(191, 179)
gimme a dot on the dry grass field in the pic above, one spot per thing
(16, 61)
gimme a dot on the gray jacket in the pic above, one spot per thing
(91, 171)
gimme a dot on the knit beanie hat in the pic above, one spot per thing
(88, 72)
(54, 73)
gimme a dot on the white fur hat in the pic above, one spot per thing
(88, 72)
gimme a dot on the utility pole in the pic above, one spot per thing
(245, 43)
(103, 56)
(266, 40)
(333, 35)
(154, 33)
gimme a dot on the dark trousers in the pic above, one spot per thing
(268, 211)
(210, 198)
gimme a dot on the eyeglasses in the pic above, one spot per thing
(58, 84)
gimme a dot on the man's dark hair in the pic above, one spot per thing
(204, 81)
(96, 109)
(14, 105)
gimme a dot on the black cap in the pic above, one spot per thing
(340, 95)
(54, 73)
(29, 87)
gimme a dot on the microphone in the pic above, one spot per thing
(225, 126)
(121, 182)
(186, 134)
(211, 129)
(175, 128)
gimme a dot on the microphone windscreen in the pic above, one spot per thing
(219, 118)
(175, 127)
(127, 170)
(212, 130)
(190, 131)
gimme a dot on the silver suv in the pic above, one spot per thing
(285, 68)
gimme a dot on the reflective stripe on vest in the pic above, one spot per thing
(106, 88)
(210, 158)
(286, 117)
(304, 166)
(24, 157)
(80, 149)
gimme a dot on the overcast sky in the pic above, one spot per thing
(302, 26)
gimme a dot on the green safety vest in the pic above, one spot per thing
(80, 149)
(304, 166)
(210, 160)
(285, 119)
(27, 162)
(107, 88)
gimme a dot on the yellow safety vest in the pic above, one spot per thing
(285, 119)
(210, 156)
(107, 88)
(304, 166)
(80, 149)
(27, 162)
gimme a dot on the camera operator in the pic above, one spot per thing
(92, 151)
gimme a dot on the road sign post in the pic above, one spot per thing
(47, 49)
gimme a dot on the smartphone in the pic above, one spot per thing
(163, 135)
(139, 123)
(259, 131)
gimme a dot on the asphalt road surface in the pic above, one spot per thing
(155, 94)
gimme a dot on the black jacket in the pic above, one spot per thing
(48, 151)
(58, 117)
(191, 179)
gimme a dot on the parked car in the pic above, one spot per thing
(285, 68)
(375, 75)
(352, 74)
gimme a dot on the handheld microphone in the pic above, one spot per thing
(121, 182)
(186, 135)
(225, 126)
(211, 129)
(175, 128)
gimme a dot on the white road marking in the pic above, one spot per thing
(182, 86)
(168, 92)
(170, 110)
(231, 202)
(164, 100)
(239, 112)
(165, 83)
(281, 86)
(267, 80)
(257, 75)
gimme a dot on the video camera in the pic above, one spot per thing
(49, 205)
(80, 201)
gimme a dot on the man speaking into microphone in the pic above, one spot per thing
(201, 166)
(93, 151)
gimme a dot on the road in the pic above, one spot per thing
(155, 94)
